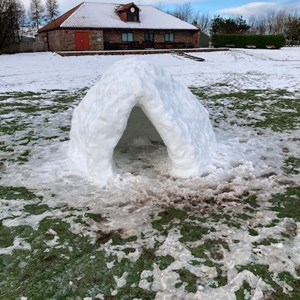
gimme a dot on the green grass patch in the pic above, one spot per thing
(288, 205)
(189, 279)
(292, 165)
(75, 268)
(278, 110)
(16, 193)
(210, 249)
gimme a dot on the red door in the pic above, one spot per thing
(82, 41)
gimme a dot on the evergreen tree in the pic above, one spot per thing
(229, 26)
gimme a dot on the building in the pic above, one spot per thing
(107, 26)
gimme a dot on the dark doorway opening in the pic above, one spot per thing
(149, 40)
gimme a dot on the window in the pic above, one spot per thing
(132, 17)
(169, 37)
(127, 37)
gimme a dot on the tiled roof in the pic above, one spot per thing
(104, 15)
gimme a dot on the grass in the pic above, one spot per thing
(14, 193)
(72, 255)
(278, 110)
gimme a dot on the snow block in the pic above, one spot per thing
(101, 118)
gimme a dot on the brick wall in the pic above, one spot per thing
(64, 39)
(181, 36)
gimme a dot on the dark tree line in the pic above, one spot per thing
(13, 18)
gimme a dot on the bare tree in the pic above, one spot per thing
(258, 24)
(12, 16)
(203, 20)
(280, 21)
(51, 10)
(184, 12)
(36, 13)
(270, 15)
(274, 22)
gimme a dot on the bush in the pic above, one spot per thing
(242, 40)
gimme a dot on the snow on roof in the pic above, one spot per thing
(103, 15)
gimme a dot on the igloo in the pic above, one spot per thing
(130, 88)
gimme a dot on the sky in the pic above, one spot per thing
(225, 8)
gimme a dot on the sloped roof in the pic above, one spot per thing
(104, 15)
(123, 7)
(57, 22)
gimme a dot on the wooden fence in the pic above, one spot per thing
(26, 47)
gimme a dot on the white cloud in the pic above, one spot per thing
(249, 9)
(260, 8)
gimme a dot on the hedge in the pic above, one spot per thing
(246, 40)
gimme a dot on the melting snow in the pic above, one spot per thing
(245, 161)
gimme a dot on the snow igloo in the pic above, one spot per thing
(137, 99)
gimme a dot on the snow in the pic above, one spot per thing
(103, 15)
(241, 68)
(18, 244)
(101, 118)
(244, 156)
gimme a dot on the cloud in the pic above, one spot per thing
(260, 8)
(249, 9)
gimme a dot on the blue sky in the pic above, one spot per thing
(234, 7)
(225, 8)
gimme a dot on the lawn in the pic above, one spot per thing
(234, 231)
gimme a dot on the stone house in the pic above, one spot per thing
(92, 26)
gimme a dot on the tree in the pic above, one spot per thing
(293, 29)
(184, 12)
(258, 24)
(51, 10)
(241, 25)
(203, 21)
(229, 26)
(280, 22)
(36, 13)
(12, 16)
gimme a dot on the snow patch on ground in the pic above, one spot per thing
(246, 161)
(243, 68)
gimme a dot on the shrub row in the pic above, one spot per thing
(245, 40)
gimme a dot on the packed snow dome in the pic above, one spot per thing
(135, 100)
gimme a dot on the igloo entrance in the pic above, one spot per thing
(122, 98)
(139, 128)
(141, 148)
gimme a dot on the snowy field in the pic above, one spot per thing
(231, 233)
